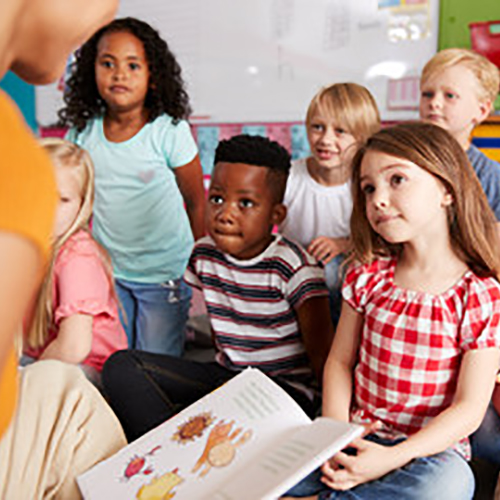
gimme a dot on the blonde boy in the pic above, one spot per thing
(458, 88)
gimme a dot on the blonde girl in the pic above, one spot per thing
(340, 117)
(417, 347)
(75, 318)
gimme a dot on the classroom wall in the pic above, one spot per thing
(455, 15)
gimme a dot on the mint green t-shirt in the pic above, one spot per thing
(139, 214)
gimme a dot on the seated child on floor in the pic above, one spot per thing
(75, 317)
(417, 347)
(265, 296)
(318, 193)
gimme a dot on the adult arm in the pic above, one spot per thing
(189, 178)
(20, 268)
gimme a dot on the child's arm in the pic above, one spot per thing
(339, 367)
(189, 178)
(325, 249)
(315, 325)
(73, 341)
(460, 419)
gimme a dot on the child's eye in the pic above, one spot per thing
(450, 95)
(318, 127)
(397, 179)
(106, 64)
(134, 66)
(246, 203)
(64, 199)
(216, 199)
(427, 94)
(367, 189)
(340, 131)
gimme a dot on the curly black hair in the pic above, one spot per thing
(166, 92)
(260, 152)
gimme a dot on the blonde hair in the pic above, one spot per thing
(486, 73)
(64, 155)
(351, 105)
(472, 224)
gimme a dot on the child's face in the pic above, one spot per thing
(404, 202)
(122, 72)
(449, 99)
(241, 209)
(70, 200)
(331, 145)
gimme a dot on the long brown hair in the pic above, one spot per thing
(471, 222)
(65, 154)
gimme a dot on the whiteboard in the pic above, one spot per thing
(262, 60)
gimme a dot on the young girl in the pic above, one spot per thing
(75, 318)
(127, 105)
(318, 194)
(416, 350)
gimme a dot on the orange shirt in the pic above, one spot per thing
(27, 205)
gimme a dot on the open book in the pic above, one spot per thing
(247, 440)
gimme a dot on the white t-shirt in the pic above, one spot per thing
(315, 210)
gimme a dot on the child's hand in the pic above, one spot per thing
(343, 472)
(325, 249)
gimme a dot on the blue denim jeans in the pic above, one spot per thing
(156, 315)
(485, 441)
(445, 476)
(334, 277)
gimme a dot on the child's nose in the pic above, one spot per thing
(435, 101)
(119, 73)
(227, 213)
(380, 198)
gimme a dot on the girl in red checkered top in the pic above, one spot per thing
(417, 346)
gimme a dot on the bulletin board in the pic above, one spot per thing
(262, 60)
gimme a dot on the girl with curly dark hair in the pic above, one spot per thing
(126, 104)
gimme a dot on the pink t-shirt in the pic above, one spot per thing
(81, 286)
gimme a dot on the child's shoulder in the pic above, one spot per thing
(480, 161)
(377, 269)
(80, 243)
(480, 288)
(293, 252)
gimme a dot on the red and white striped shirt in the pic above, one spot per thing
(412, 344)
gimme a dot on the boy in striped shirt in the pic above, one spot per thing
(265, 296)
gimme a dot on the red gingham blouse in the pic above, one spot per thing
(412, 344)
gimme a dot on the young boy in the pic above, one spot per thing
(265, 296)
(458, 88)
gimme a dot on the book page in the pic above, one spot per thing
(194, 454)
(285, 464)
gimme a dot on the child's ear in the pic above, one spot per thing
(279, 214)
(447, 199)
(484, 110)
